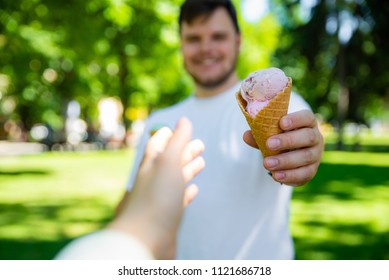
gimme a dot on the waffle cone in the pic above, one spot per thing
(266, 122)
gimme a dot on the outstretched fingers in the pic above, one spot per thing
(179, 140)
(190, 193)
(157, 144)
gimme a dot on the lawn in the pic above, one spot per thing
(48, 199)
(343, 212)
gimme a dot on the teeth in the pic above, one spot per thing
(208, 61)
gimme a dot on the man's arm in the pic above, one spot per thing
(301, 146)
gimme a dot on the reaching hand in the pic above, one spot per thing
(153, 211)
(301, 146)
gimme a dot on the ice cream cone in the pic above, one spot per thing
(266, 122)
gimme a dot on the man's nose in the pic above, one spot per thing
(206, 45)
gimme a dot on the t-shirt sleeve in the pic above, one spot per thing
(106, 244)
(297, 103)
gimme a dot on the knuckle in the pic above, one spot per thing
(292, 178)
(308, 156)
(310, 173)
(284, 160)
(312, 137)
(163, 159)
(287, 141)
(312, 119)
(302, 176)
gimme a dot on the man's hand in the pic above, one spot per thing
(300, 146)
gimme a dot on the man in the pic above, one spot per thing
(241, 212)
(148, 224)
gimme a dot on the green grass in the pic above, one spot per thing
(364, 141)
(48, 199)
(343, 212)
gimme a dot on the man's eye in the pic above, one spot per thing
(220, 37)
(192, 39)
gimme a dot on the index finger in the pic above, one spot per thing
(180, 138)
(299, 119)
(157, 143)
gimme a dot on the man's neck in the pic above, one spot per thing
(204, 92)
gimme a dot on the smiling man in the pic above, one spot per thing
(210, 52)
(241, 212)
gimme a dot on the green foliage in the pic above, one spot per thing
(54, 51)
(335, 52)
(259, 42)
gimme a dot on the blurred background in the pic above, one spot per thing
(78, 79)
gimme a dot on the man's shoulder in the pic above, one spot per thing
(171, 112)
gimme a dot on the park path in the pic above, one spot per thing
(20, 148)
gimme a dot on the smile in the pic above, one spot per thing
(207, 61)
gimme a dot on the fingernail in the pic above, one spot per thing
(286, 123)
(279, 176)
(271, 162)
(273, 143)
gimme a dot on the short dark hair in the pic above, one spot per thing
(192, 9)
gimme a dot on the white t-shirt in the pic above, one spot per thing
(106, 244)
(240, 211)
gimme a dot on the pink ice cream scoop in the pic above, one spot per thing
(261, 86)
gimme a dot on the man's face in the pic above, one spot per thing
(210, 48)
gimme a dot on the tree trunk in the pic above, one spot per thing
(343, 98)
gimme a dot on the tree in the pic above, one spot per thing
(54, 51)
(335, 52)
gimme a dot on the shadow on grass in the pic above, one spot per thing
(24, 172)
(82, 211)
(355, 241)
(352, 242)
(45, 229)
(30, 249)
(358, 148)
(333, 238)
(360, 176)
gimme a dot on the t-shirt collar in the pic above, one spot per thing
(219, 97)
